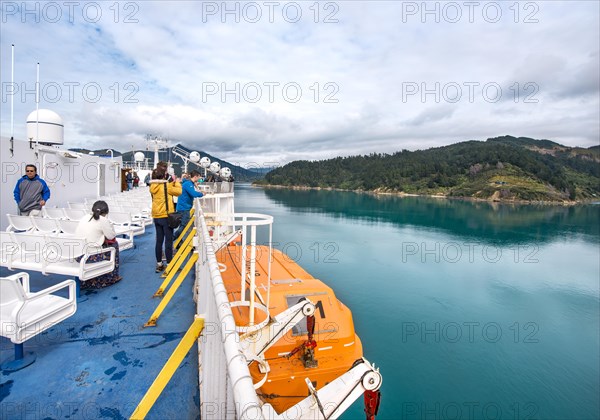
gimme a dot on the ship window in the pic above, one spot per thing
(299, 328)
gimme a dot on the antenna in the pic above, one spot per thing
(12, 97)
(12, 101)
(157, 143)
(37, 105)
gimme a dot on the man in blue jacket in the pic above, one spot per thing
(31, 192)
(186, 200)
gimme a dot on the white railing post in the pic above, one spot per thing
(231, 393)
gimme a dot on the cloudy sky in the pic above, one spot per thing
(276, 81)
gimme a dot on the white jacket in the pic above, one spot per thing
(94, 231)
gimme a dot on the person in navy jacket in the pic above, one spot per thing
(31, 192)
(186, 200)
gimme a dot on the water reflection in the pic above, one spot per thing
(497, 223)
(544, 305)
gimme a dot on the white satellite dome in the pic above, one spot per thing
(215, 167)
(205, 162)
(139, 156)
(194, 156)
(225, 172)
(49, 127)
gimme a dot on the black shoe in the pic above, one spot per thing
(160, 267)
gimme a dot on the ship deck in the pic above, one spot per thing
(100, 362)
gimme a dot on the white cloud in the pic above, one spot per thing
(325, 88)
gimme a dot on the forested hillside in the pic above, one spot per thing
(503, 168)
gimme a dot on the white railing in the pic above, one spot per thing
(216, 187)
(217, 203)
(226, 387)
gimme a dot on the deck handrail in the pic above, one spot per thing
(219, 352)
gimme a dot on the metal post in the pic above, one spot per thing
(252, 272)
(19, 351)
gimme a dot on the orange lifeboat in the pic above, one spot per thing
(294, 356)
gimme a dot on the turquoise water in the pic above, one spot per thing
(472, 310)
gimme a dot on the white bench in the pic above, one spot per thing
(78, 206)
(127, 242)
(53, 255)
(45, 225)
(53, 213)
(69, 228)
(123, 222)
(24, 314)
(75, 214)
(19, 223)
(137, 215)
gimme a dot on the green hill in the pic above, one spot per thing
(502, 168)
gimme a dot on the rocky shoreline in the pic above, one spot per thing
(403, 194)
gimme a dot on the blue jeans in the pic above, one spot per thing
(163, 234)
(184, 221)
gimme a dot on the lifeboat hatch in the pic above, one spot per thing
(291, 300)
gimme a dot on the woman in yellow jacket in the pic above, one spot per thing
(162, 204)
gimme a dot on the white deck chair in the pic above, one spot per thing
(132, 210)
(123, 223)
(24, 314)
(68, 227)
(127, 242)
(19, 223)
(137, 216)
(78, 206)
(8, 249)
(28, 251)
(75, 214)
(61, 252)
(53, 213)
(45, 225)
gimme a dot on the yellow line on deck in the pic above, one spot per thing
(184, 231)
(175, 263)
(165, 301)
(166, 373)
(182, 250)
